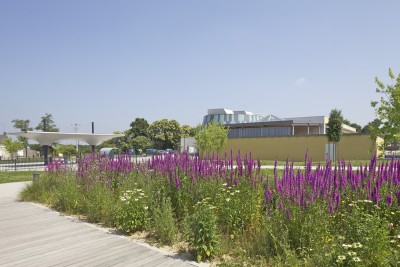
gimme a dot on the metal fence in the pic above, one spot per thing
(30, 164)
(22, 164)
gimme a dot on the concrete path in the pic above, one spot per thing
(31, 235)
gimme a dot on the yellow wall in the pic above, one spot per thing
(351, 147)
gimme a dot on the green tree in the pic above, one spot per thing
(165, 134)
(23, 125)
(139, 127)
(371, 125)
(188, 131)
(66, 150)
(36, 147)
(211, 137)
(50, 125)
(387, 110)
(141, 142)
(334, 129)
(12, 146)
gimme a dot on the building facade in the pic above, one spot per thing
(269, 137)
(245, 124)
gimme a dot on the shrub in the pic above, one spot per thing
(203, 231)
(132, 213)
(163, 222)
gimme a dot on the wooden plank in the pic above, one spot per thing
(32, 235)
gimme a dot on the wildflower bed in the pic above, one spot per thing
(234, 212)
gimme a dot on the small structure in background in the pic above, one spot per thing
(48, 138)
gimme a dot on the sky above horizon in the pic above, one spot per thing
(113, 61)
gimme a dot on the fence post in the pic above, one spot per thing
(35, 177)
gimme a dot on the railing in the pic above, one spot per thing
(29, 164)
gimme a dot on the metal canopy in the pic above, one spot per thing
(47, 138)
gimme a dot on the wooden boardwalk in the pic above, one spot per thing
(31, 235)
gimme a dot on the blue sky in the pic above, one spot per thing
(113, 61)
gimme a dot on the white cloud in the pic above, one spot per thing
(300, 81)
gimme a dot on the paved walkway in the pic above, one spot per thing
(31, 235)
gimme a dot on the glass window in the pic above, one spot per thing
(223, 119)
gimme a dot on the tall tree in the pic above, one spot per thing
(371, 125)
(387, 110)
(165, 134)
(334, 129)
(188, 131)
(50, 125)
(23, 125)
(211, 137)
(141, 143)
(139, 127)
(12, 146)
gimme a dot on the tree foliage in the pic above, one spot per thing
(141, 142)
(334, 130)
(139, 127)
(23, 125)
(371, 126)
(211, 137)
(66, 150)
(12, 146)
(165, 134)
(188, 131)
(387, 110)
(50, 125)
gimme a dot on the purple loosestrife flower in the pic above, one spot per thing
(267, 193)
(376, 195)
(288, 214)
(177, 182)
(389, 199)
(330, 208)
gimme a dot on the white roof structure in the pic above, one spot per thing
(47, 138)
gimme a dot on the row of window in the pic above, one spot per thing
(259, 132)
(231, 118)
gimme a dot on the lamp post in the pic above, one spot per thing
(93, 147)
(45, 147)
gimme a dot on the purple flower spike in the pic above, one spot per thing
(389, 199)
(288, 214)
(281, 205)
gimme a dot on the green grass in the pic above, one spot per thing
(16, 176)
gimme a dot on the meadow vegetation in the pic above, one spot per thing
(232, 212)
(16, 176)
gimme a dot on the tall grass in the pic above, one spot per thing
(230, 209)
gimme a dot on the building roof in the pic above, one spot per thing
(47, 138)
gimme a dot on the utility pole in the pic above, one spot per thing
(76, 126)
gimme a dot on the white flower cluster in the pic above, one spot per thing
(204, 201)
(136, 195)
(354, 245)
(229, 190)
